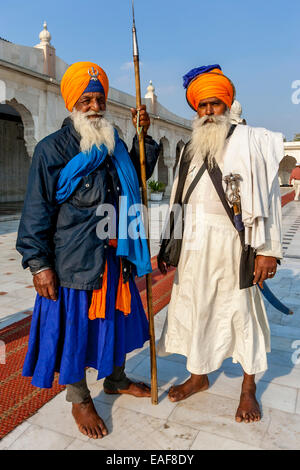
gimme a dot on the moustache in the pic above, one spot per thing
(212, 119)
(98, 114)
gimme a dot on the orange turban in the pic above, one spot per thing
(76, 80)
(208, 85)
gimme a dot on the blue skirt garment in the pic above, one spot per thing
(63, 339)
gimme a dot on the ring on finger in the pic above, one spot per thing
(271, 274)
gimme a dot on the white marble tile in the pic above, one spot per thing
(22, 304)
(81, 445)
(10, 438)
(281, 375)
(277, 396)
(39, 438)
(56, 415)
(269, 394)
(133, 362)
(216, 414)
(168, 372)
(208, 441)
(284, 358)
(144, 405)
(283, 431)
(298, 403)
(91, 376)
(10, 319)
(281, 343)
(132, 430)
(285, 331)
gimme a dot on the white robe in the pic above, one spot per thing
(209, 318)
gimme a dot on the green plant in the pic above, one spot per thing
(156, 186)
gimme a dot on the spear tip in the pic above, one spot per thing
(133, 12)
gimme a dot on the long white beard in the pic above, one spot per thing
(94, 131)
(208, 139)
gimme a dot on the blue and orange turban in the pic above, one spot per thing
(82, 77)
(205, 82)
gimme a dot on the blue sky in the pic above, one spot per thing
(257, 43)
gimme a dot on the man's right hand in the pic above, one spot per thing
(45, 284)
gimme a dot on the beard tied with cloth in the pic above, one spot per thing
(209, 317)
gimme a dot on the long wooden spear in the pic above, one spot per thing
(154, 392)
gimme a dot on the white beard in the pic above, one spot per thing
(94, 131)
(209, 139)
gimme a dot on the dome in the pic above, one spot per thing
(236, 108)
(150, 88)
(45, 36)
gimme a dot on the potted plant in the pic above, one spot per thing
(157, 190)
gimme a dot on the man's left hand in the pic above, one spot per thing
(265, 268)
(144, 120)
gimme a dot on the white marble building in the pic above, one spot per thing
(31, 107)
(291, 157)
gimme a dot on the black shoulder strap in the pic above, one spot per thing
(182, 174)
(194, 183)
(216, 177)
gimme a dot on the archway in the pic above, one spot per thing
(28, 124)
(164, 153)
(285, 168)
(179, 148)
(14, 160)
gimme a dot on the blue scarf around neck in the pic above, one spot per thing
(135, 248)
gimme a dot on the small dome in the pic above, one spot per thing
(150, 87)
(236, 108)
(45, 36)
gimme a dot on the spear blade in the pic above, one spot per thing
(134, 36)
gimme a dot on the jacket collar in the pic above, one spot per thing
(69, 123)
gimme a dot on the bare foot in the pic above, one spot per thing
(196, 383)
(248, 410)
(136, 389)
(88, 420)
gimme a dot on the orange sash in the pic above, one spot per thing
(123, 299)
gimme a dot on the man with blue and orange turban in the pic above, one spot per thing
(231, 242)
(82, 200)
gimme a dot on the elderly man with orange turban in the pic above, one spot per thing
(227, 182)
(74, 236)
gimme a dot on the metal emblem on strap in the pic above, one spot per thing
(233, 191)
(93, 74)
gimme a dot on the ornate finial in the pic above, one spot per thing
(45, 36)
(150, 87)
(236, 112)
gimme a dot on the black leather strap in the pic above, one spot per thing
(194, 184)
(216, 177)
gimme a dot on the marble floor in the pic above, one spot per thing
(203, 421)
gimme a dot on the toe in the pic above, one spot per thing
(239, 415)
(99, 433)
(172, 396)
(83, 430)
(103, 429)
